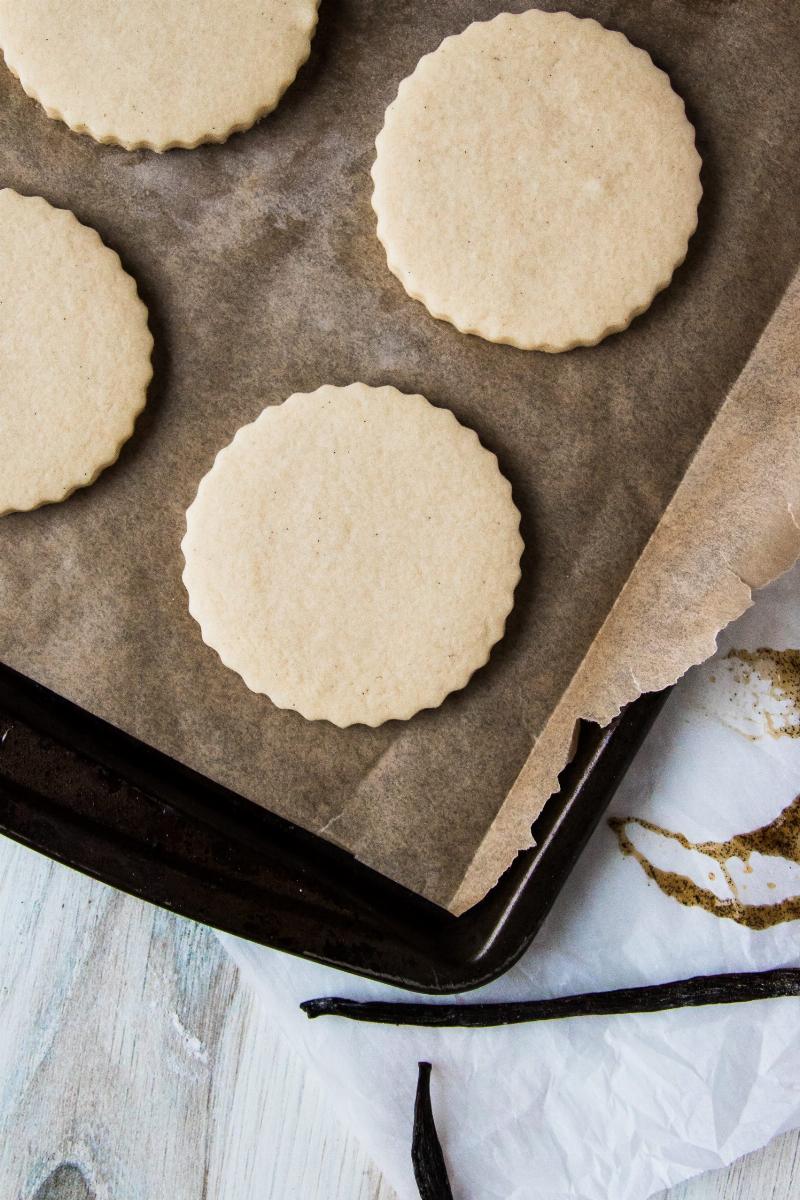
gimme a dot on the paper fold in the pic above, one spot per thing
(729, 529)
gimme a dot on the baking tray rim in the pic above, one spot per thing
(314, 899)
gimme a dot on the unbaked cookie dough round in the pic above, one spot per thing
(74, 353)
(536, 181)
(353, 554)
(156, 73)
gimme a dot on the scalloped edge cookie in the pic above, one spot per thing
(23, 53)
(51, 459)
(353, 554)
(423, 220)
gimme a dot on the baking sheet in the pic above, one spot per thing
(259, 263)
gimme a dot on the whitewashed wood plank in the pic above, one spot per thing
(769, 1174)
(133, 1065)
(300, 1149)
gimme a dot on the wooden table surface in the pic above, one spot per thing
(134, 1065)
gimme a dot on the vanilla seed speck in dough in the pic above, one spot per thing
(153, 74)
(74, 353)
(536, 181)
(353, 554)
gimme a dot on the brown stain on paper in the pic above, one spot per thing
(779, 839)
(781, 669)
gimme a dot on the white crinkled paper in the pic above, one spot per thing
(599, 1108)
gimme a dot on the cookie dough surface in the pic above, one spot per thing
(74, 353)
(536, 181)
(353, 554)
(156, 73)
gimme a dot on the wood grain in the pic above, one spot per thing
(770, 1174)
(135, 1066)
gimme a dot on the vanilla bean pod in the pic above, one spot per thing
(430, 1171)
(733, 988)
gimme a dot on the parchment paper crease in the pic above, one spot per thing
(263, 274)
(730, 528)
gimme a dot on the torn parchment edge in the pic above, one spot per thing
(731, 527)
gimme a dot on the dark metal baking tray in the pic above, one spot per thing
(88, 795)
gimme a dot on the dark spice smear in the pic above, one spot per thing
(782, 670)
(427, 1158)
(779, 839)
(734, 988)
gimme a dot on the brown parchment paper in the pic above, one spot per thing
(259, 263)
